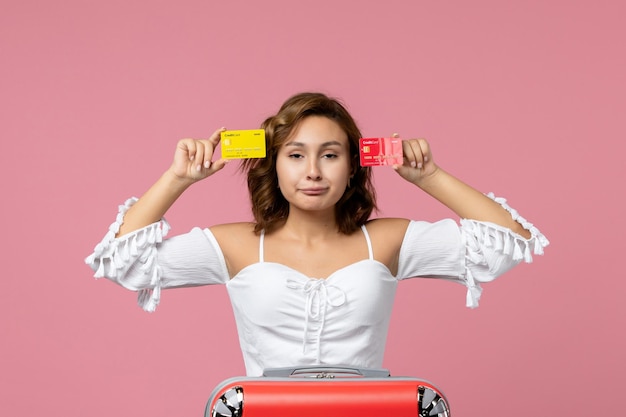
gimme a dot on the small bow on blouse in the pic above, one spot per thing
(319, 296)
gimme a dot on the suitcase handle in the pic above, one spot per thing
(326, 372)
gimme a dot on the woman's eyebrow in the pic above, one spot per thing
(324, 145)
(332, 143)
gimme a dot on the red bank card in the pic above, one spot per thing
(380, 151)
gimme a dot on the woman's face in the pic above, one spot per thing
(313, 165)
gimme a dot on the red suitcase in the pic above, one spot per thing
(326, 391)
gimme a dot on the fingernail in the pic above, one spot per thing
(413, 164)
(198, 167)
(419, 166)
(207, 164)
(425, 159)
(191, 157)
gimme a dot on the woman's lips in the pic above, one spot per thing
(313, 190)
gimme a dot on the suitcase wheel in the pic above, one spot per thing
(230, 404)
(430, 403)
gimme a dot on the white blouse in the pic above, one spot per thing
(285, 318)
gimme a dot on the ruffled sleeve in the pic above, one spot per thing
(472, 253)
(146, 262)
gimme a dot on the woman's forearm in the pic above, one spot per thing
(466, 201)
(153, 205)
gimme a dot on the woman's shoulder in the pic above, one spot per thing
(389, 225)
(239, 227)
(387, 235)
(234, 234)
(239, 243)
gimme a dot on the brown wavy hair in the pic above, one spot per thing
(269, 207)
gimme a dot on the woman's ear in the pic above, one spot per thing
(354, 166)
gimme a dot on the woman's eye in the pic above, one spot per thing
(330, 155)
(295, 155)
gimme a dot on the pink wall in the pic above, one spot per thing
(525, 99)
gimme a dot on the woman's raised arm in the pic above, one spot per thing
(193, 161)
(420, 169)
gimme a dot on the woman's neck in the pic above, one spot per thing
(310, 225)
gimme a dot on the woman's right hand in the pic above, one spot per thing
(193, 159)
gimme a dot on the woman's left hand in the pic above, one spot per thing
(418, 161)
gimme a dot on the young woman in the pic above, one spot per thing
(312, 279)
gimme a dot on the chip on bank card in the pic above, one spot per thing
(380, 151)
(240, 144)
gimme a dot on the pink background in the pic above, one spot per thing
(525, 99)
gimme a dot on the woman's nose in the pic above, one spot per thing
(314, 171)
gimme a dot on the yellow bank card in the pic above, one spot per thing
(240, 144)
